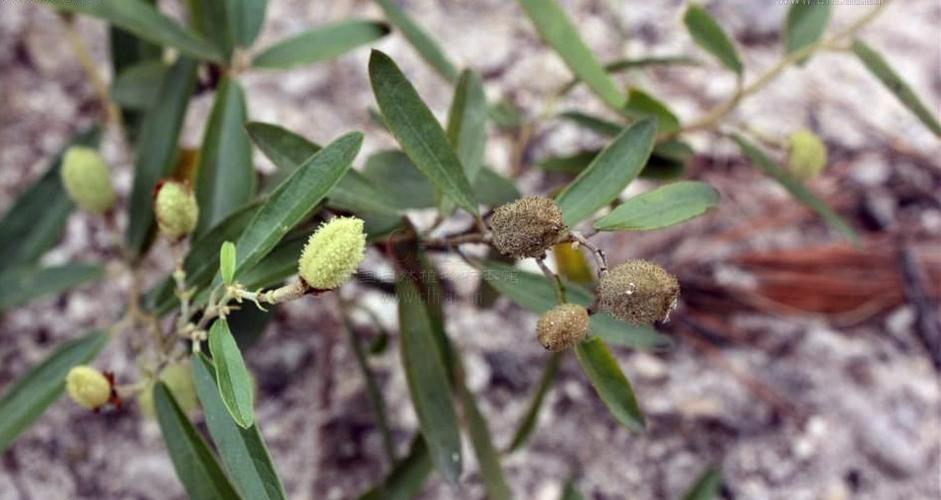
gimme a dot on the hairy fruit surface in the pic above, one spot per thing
(639, 292)
(527, 227)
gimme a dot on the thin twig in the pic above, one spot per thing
(596, 252)
(554, 278)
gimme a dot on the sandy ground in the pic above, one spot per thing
(804, 408)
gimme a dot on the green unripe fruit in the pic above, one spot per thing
(87, 180)
(332, 253)
(527, 227)
(562, 327)
(88, 387)
(808, 154)
(179, 380)
(638, 292)
(176, 210)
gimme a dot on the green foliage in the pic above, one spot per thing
(706, 486)
(235, 383)
(612, 386)
(20, 285)
(320, 44)
(707, 33)
(660, 208)
(805, 24)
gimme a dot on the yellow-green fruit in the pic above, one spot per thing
(176, 210)
(808, 154)
(638, 292)
(87, 180)
(527, 227)
(562, 327)
(332, 253)
(179, 380)
(87, 387)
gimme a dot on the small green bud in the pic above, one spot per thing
(87, 180)
(638, 292)
(332, 253)
(176, 210)
(562, 327)
(807, 154)
(88, 387)
(178, 378)
(527, 227)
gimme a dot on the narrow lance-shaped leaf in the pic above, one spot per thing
(662, 207)
(609, 173)
(427, 48)
(295, 198)
(487, 455)
(235, 383)
(558, 31)
(407, 478)
(156, 147)
(428, 384)
(136, 87)
(245, 20)
(467, 123)
(417, 130)
(211, 19)
(143, 20)
(795, 187)
(195, 465)
(622, 65)
(707, 33)
(610, 383)
(880, 68)
(21, 285)
(34, 223)
(27, 398)
(320, 44)
(641, 105)
(706, 486)
(227, 257)
(243, 451)
(528, 423)
(804, 25)
(225, 180)
(570, 491)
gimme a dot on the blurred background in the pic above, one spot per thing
(803, 367)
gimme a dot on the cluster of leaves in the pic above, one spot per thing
(437, 167)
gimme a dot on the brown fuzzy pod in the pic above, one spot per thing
(527, 227)
(562, 327)
(638, 292)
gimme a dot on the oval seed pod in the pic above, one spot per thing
(179, 380)
(807, 154)
(88, 387)
(562, 327)
(638, 292)
(86, 179)
(527, 227)
(332, 253)
(176, 210)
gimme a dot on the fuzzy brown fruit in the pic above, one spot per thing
(562, 327)
(638, 292)
(527, 227)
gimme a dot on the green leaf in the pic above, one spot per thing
(227, 258)
(402, 182)
(235, 383)
(622, 65)
(493, 189)
(195, 465)
(706, 486)
(594, 123)
(612, 386)
(805, 24)
(467, 123)
(243, 451)
(534, 292)
(295, 198)
(417, 130)
(609, 173)
(570, 164)
(880, 68)
(137, 86)
(570, 492)
(34, 223)
(27, 398)
(557, 30)
(321, 44)
(428, 384)
(641, 105)
(662, 207)
(225, 180)
(427, 48)
(528, 424)
(707, 33)
(482, 441)
(245, 19)
(248, 324)
(143, 20)
(21, 285)
(211, 19)
(407, 478)
(156, 147)
(795, 187)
